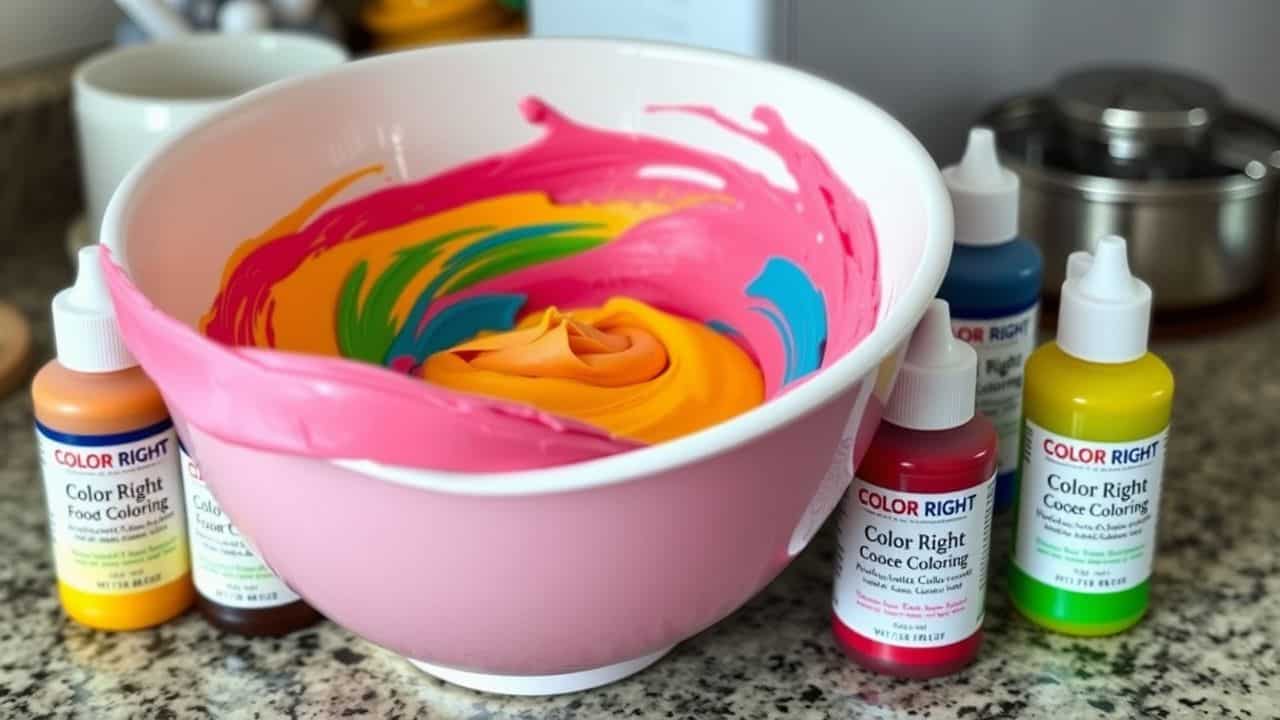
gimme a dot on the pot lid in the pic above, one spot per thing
(1244, 158)
(1137, 103)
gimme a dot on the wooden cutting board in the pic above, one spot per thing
(15, 348)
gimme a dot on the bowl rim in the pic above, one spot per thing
(889, 333)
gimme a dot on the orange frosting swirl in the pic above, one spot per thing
(626, 367)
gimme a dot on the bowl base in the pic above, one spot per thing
(541, 684)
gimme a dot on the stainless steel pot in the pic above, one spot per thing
(1197, 241)
(1137, 122)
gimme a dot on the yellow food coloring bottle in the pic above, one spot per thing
(1096, 421)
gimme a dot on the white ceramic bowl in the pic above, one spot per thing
(540, 580)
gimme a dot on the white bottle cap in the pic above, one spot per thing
(937, 383)
(1104, 311)
(85, 329)
(984, 193)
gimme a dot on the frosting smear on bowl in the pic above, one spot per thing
(578, 274)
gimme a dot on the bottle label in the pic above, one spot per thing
(1003, 345)
(115, 508)
(223, 566)
(1087, 510)
(911, 568)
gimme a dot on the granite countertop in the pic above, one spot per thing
(1210, 647)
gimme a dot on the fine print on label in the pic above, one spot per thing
(1003, 345)
(225, 570)
(1087, 517)
(911, 568)
(115, 509)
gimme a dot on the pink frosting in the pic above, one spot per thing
(711, 261)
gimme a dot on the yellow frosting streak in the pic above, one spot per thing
(626, 367)
(311, 292)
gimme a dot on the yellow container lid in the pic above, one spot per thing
(418, 16)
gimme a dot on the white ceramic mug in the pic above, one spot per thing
(128, 101)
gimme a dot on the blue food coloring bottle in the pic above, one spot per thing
(993, 287)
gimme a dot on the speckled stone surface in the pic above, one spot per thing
(1210, 647)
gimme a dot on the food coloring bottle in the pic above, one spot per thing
(915, 530)
(993, 287)
(235, 590)
(1097, 420)
(109, 457)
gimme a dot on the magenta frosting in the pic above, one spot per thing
(792, 275)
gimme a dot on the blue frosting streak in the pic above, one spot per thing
(800, 317)
(466, 318)
(507, 237)
(723, 327)
(788, 343)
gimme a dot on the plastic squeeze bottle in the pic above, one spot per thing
(1097, 420)
(993, 287)
(109, 456)
(915, 531)
(235, 590)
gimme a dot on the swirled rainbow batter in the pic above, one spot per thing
(636, 371)
(715, 278)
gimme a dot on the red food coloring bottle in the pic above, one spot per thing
(915, 529)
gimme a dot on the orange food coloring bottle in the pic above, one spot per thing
(109, 457)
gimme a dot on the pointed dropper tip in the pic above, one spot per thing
(981, 162)
(932, 344)
(90, 289)
(1108, 276)
(1078, 264)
